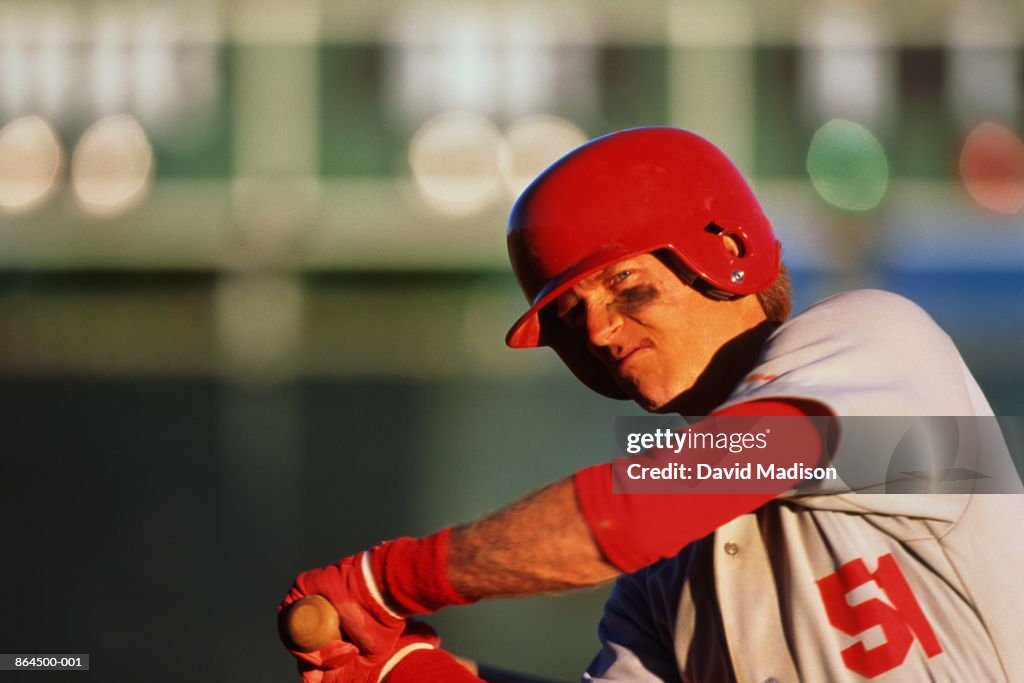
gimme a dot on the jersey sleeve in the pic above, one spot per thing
(864, 353)
(872, 357)
(634, 530)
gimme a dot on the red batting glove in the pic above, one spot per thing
(371, 631)
(416, 636)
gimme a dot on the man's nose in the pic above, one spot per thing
(603, 321)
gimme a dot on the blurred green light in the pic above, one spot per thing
(847, 165)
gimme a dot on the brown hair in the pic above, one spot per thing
(777, 300)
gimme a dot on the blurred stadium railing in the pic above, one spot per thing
(291, 141)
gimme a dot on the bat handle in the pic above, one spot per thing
(311, 623)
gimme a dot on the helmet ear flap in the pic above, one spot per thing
(573, 352)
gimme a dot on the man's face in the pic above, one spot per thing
(654, 333)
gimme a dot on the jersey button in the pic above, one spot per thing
(731, 549)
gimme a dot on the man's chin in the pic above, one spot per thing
(651, 402)
(685, 402)
(654, 399)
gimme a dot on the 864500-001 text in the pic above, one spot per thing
(44, 662)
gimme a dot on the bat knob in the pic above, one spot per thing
(311, 622)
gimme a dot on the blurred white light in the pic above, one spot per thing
(498, 59)
(54, 64)
(445, 58)
(30, 159)
(846, 70)
(15, 75)
(473, 65)
(532, 144)
(108, 70)
(454, 160)
(153, 78)
(112, 165)
(984, 73)
(530, 61)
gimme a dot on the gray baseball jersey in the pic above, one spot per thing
(848, 586)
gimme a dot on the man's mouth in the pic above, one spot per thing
(630, 351)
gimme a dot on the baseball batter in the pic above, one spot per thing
(654, 274)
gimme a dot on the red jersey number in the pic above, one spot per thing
(901, 620)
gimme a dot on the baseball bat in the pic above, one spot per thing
(312, 622)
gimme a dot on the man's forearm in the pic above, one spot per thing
(540, 543)
(577, 532)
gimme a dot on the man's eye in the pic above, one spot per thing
(619, 277)
(571, 314)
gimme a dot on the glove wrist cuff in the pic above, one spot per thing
(373, 588)
(412, 574)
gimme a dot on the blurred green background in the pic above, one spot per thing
(253, 286)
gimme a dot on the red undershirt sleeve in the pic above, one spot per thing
(634, 530)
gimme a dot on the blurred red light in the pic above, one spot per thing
(992, 167)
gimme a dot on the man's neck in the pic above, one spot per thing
(727, 368)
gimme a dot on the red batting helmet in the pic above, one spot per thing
(629, 193)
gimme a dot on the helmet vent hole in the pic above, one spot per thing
(733, 244)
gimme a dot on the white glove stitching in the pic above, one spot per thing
(371, 584)
(399, 656)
